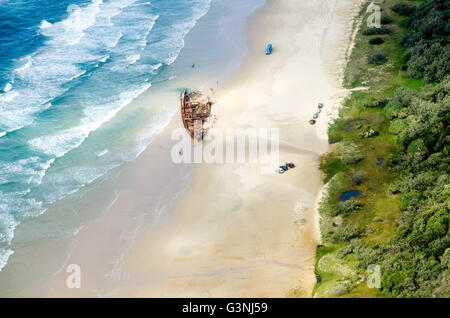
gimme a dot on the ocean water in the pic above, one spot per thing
(68, 68)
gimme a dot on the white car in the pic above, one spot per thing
(279, 170)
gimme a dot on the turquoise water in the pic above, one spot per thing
(67, 69)
(83, 90)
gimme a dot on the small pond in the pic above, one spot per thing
(347, 195)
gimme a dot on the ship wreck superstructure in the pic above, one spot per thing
(195, 112)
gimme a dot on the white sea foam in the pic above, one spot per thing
(102, 153)
(5, 253)
(92, 34)
(63, 141)
(7, 87)
(131, 59)
(7, 225)
(104, 59)
(70, 43)
(20, 170)
(70, 180)
(25, 66)
(37, 179)
(45, 24)
(10, 96)
(169, 48)
(71, 30)
(113, 40)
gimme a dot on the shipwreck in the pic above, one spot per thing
(195, 112)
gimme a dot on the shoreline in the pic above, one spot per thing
(232, 244)
(334, 113)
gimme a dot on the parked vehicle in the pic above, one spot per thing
(312, 121)
(284, 168)
(279, 170)
(315, 115)
(320, 105)
(269, 49)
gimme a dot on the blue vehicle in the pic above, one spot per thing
(269, 49)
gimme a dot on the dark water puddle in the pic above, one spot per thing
(347, 195)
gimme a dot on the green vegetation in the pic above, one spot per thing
(403, 9)
(391, 143)
(427, 42)
(374, 31)
(377, 59)
(385, 19)
(376, 41)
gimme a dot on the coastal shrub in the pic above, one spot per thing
(377, 31)
(391, 160)
(368, 255)
(415, 259)
(412, 264)
(392, 109)
(427, 44)
(350, 153)
(395, 110)
(330, 165)
(429, 61)
(343, 252)
(393, 188)
(376, 41)
(385, 19)
(403, 9)
(334, 132)
(345, 233)
(349, 248)
(418, 146)
(397, 126)
(349, 206)
(410, 199)
(358, 177)
(377, 103)
(404, 96)
(352, 159)
(327, 206)
(377, 59)
(403, 113)
(367, 131)
(341, 288)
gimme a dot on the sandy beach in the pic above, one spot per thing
(233, 232)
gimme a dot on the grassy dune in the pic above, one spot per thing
(360, 136)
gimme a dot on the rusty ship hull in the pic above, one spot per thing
(195, 111)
